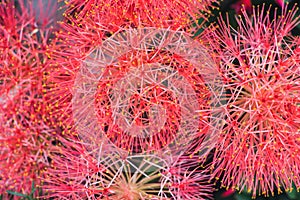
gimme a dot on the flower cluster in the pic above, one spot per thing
(143, 94)
(24, 43)
(259, 62)
(124, 99)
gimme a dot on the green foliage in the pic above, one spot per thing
(293, 194)
(25, 196)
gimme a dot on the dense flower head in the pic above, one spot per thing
(141, 98)
(140, 89)
(259, 62)
(23, 53)
(143, 94)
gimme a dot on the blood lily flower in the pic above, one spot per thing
(137, 86)
(260, 142)
(23, 140)
(144, 100)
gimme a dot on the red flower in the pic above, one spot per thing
(259, 62)
(23, 139)
(129, 92)
(143, 97)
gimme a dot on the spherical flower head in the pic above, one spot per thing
(23, 47)
(139, 100)
(144, 89)
(90, 23)
(259, 62)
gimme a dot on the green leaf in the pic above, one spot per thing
(32, 186)
(16, 193)
(40, 191)
(292, 195)
(29, 198)
(33, 189)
